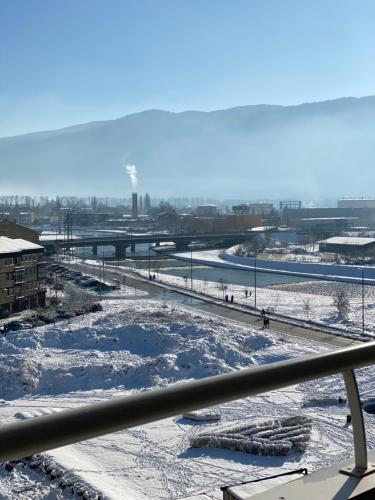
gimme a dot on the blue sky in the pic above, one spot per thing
(71, 61)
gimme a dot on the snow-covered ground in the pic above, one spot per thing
(291, 300)
(137, 345)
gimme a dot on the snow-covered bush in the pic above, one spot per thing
(18, 376)
(280, 436)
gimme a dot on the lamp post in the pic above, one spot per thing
(363, 300)
(149, 263)
(255, 280)
(191, 269)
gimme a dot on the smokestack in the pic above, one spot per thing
(134, 205)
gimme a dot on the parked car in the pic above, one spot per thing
(61, 270)
(91, 284)
(84, 278)
(70, 275)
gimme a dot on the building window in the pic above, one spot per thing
(19, 275)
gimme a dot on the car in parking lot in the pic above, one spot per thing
(73, 275)
(91, 283)
(61, 270)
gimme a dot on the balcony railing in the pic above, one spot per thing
(51, 431)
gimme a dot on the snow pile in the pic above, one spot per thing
(60, 479)
(280, 436)
(143, 345)
(18, 375)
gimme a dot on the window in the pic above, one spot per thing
(19, 275)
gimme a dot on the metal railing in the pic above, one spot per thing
(67, 427)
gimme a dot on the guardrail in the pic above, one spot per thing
(38, 434)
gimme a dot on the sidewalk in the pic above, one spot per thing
(249, 316)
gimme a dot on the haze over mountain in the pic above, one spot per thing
(314, 150)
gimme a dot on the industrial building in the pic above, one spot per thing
(346, 245)
(253, 209)
(219, 224)
(354, 216)
(21, 272)
(208, 210)
(356, 203)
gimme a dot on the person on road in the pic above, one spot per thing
(231, 299)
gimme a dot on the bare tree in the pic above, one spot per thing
(222, 287)
(306, 306)
(341, 303)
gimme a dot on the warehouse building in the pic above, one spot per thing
(347, 245)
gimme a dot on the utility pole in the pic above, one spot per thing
(149, 263)
(255, 280)
(191, 269)
(103, 267)
(363, 300)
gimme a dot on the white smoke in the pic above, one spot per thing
(132, 171)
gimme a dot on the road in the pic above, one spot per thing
(214, 306)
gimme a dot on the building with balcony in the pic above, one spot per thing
(21, 275)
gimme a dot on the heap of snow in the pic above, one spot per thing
(142, 345)
(280, 436)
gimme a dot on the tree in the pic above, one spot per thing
(341, 303)
(306, 306)
(222, 287)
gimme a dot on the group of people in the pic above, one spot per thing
(231, 298)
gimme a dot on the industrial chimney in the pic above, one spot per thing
(134, 205)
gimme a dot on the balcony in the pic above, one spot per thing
(351, 479)
(19, 275)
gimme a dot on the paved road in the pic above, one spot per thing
(213, 306)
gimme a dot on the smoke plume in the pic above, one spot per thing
(132, 171)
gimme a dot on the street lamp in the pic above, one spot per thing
(255, 280)
(149, 263)
(191, 269)
(363, 300)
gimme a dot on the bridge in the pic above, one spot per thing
(122, 241)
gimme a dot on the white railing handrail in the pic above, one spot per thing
(67, 427)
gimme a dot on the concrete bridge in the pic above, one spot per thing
(122, 242)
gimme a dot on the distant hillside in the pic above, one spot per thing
(313, 150)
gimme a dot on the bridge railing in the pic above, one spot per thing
(51, 431)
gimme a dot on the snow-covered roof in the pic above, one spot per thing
(261, 229)
(56, 237)
(349, 240)
(9, 245)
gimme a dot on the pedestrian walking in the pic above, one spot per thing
(268, 323)
(246, 293)
(263, 313)
(264, 322)
(231, 299)
(226, 298)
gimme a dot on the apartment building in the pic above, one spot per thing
(11, 229)
(21, 272)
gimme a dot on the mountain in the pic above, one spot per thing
(314, 150)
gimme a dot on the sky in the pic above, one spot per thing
(74, 61)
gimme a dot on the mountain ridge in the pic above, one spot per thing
(220, 153)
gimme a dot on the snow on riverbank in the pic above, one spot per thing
(317, 306)
(136, 345)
